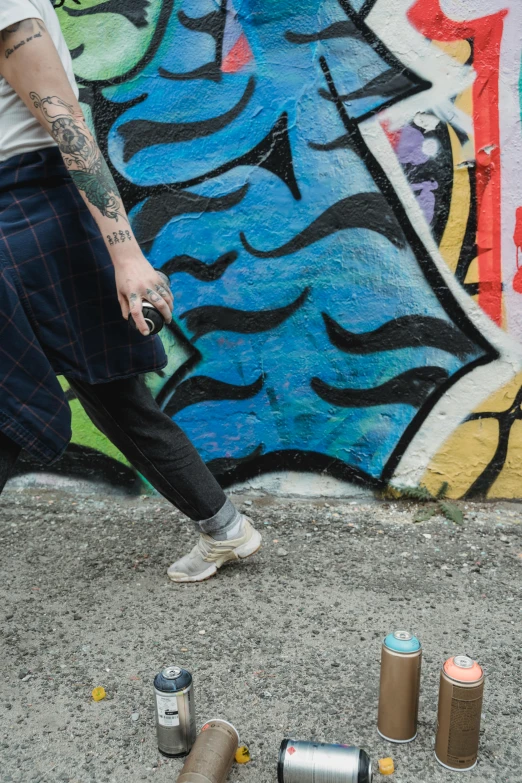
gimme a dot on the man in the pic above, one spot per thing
(67, 256)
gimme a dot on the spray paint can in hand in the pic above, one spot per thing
(213, 753)
(460, 706)
(399, 687)
(175, 714)
(317, 762)
(153, 318)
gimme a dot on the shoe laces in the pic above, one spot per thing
(205, 545)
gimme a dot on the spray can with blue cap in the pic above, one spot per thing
(399, 687)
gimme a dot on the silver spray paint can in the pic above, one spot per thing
(175, 714)
(316, 762)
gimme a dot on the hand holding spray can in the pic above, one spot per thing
(175, 715)
(460, 708)
(153, 317)
(213, 753)
(316, 762)
(399, 687)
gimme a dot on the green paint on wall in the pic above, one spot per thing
(86, 434)
(112, 43)
(520, 90)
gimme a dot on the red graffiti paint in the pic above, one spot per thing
(239, 56)
(517, 239)
(394, 137)
(486, 34)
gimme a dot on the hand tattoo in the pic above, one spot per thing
(166, 280)
(133, 298)
(162, 291)
(81, 154)
(152, 296)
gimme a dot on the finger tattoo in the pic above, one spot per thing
(153, 297)
(164, 278)
(162, 291)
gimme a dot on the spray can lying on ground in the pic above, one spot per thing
(460, 707)
(175, 715)
(211, 757)
(399, 687)
(316, 762)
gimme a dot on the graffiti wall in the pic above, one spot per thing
(333, 188)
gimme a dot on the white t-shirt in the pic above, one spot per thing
(19, 130)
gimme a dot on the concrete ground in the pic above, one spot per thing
(286, 644)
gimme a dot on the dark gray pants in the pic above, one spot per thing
(128, 415)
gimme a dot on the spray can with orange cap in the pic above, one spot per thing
(460, 707)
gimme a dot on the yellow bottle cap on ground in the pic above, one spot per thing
(98, 693)
(386, 766)
(242, 755)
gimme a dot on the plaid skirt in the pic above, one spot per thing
(59, 311)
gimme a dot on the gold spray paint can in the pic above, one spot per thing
(212, 755)
(399, 687)
(460, 707)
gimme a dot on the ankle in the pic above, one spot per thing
(233, 530)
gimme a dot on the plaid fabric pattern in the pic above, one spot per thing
(59, 311)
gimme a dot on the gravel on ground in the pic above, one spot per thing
(286, 644)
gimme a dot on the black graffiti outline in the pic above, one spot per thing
(407, 331)
(122, 7)
(418, 83)
(366, 8)
(231, 470)
(207, 273)
(362, 210)
(342, 29)
(167, 7)
(408, 388)
(202, 388)
(432, 275)
(285, 459)
(216, 318)
(138, 135)
(506, 419)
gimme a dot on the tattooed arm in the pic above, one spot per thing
(30, 63)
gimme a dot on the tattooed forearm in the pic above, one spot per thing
(82, 157)
(20, 34)
(118, 237)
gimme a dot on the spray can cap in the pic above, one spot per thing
(402, 642)
(172, 679)
(462, 668)
(172, 672)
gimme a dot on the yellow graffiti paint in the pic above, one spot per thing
(453, 238)
(503, 398)
(460, 50)
(463, 457)
(508, 483)
(469, 450)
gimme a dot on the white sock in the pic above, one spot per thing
(234, 531)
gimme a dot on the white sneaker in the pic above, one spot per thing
(208, 555)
